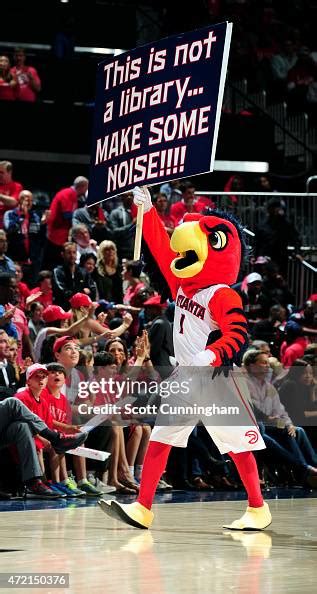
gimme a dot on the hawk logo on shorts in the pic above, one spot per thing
(253, 435)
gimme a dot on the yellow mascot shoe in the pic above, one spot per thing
(134, 514)
(255, 518)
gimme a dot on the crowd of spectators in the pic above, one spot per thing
(74, 307)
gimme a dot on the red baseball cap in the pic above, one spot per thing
(32, 369)
(312, 297)
(155, 300)
(80, 300)
(61, 341)
(54, 313)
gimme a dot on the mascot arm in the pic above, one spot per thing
(226, 309)
(159, 244)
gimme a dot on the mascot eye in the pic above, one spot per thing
(218, 240)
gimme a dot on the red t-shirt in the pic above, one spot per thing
(46, 298)
(13, 190)
(24, 292)
(39, 407)
(25, 91)
(7, 92)
(61, 211)
(179, 209)
(59, 407)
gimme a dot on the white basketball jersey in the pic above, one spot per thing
(193, 323)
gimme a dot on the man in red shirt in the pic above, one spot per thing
(9, 189)
(188, 203)
(44, 287)
(62, 207)
(27, 77)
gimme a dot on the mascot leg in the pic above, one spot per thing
(257, 516)
(139, 514)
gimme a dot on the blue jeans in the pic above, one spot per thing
(295, 451)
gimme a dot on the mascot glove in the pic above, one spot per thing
(142, 196)
(206, 357)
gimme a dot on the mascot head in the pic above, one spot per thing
(209, 250)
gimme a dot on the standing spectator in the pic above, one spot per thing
(160, 335)
(161, 204)
(188, 203)
(69, 278)
(172, 191)
(7, 266)
(8, 82)
(27, 77)
(59, 221)
(121, 221)
(255, 302)
(55, 319)
(109, 281)
(274, 235)
(23, 227)
(9, 189)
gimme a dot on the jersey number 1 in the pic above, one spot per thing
(181, 324)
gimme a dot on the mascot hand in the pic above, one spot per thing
(206, 357)
(142, 196)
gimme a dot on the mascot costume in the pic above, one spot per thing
(199, 262)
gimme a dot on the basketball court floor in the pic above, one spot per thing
(186, 551)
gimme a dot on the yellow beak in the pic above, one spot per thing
(191, 243)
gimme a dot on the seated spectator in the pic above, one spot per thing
(55, 319)
(29, 83)
(9, 189)
(69, 278)
(23, 226)
(275, 286)
(12, 357)
(43, 291)
(18, 425)
(80, 235)
(9, 86)
(281, 64)
(255, 302)
(91, 329)
(59, 222)
(293, 347)
(275, 233)
(24, 290)
(271, 328)
(288, 443)
(298, 394)
(9, 297)
(161, 204)
(300, 79)
(8, 378)
(6, 323)
(66, 353)
(306, 317)
(36, 322)
(61, 415)
(109, 280)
